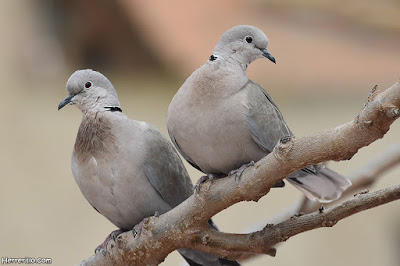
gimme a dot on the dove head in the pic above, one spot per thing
(89, 90)
(243, 43)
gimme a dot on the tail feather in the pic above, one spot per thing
(319, 183)
(199, 258)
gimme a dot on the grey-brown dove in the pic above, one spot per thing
(220, 120)
(126, 169)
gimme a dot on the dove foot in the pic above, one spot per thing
(238, 172)
(113, 235)
(138, 228)
(204, 178)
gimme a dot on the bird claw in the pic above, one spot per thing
(135, 232)
(238, 172)
(100, 249)
(103, 246)
(285, 139)
(116, 233)
(204, 178)
(137, 229)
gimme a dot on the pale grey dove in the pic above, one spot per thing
(220, 120)
(126, 169)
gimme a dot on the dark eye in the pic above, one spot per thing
(249, 39)
(88, 85)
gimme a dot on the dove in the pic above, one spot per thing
(221, 121)
(126, 169)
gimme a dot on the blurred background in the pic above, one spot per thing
(329, 55)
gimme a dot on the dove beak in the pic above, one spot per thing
(266, 54)
(66, 101)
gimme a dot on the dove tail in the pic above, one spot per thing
(319, 183)
(199, 258)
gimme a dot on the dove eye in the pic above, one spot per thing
(249, 39)
(88, 85)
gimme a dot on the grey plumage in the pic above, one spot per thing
(126, 169)
(220, 119)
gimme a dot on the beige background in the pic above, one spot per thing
(329, 56)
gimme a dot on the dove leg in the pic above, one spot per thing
(204, 178)
(238, 172)
(103, 246)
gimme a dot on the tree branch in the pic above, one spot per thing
(361, 180)
(185, 225)
(373, 170)
(261, 242)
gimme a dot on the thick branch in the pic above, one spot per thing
(184, 225)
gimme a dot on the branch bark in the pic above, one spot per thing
(186, 225)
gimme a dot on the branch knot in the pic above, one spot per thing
(390, 110)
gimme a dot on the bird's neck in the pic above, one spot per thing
(95, 135)
(229, 62)
(234, 58)
(224, 76)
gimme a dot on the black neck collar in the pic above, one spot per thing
(113, 109)
(213, 58)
